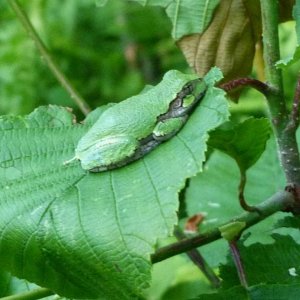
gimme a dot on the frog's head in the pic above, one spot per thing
(195, 92)
(186, 100)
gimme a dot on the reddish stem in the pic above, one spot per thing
(244, 82)
(238, 263)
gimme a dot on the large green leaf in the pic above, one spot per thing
(274, 263)
(91, 235)
(272, 272)
(244, 142)
(187, 16)
(177, 278)
(214, 192)
(256, 292)
(10, 285)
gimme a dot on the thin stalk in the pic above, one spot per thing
(196, 257)
(242, 185)
(285, 135)
(30, 295)
(66, 84)
(238, 263)
(281, 201)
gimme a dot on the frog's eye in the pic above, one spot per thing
(188, 100)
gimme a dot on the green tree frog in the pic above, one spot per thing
(128, 130)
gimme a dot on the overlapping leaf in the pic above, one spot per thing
(214, 192)
(91, 235)
(272, 272)
(244, 142)
(187, 16)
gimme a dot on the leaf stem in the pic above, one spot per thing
(242, 185)
(66, 84)
(238, 263)
(30, 295)
(199, 261)
(281, 201)
(244, 82)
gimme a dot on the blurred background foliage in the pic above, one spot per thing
(109, 53)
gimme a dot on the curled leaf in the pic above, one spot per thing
(228, 42)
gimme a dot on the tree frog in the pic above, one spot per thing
(128, 130)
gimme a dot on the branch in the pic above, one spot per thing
(281, 201)
(30, 295)
(66, 84)
(285, 134)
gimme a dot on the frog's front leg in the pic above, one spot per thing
(166, 129)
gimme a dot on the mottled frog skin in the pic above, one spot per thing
(130, 129)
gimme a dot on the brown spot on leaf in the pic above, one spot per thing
(191, 225)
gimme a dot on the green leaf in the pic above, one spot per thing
(287, 62)
(231, 231)
(288, 222)
(276, 263)
(296, 15)
(245, 142)
(91, 235)
(101, 2)
(10, 285)
(272, 272)
(214, 192)
(275, 291)
(177, 278)
(236, 292)
(256, 292)
(187, 16)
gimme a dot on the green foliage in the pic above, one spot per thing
(288, 61)
(87, 235)
(269, 265)
(296, 15)
(187, 16)
(108, 53)
(256, 292)
(58, 209)
(214, 192)
(10, 285)
(177, 278)
(244, 142)
(272, 272)
(288, 222)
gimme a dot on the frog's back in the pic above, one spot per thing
(137, 115)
